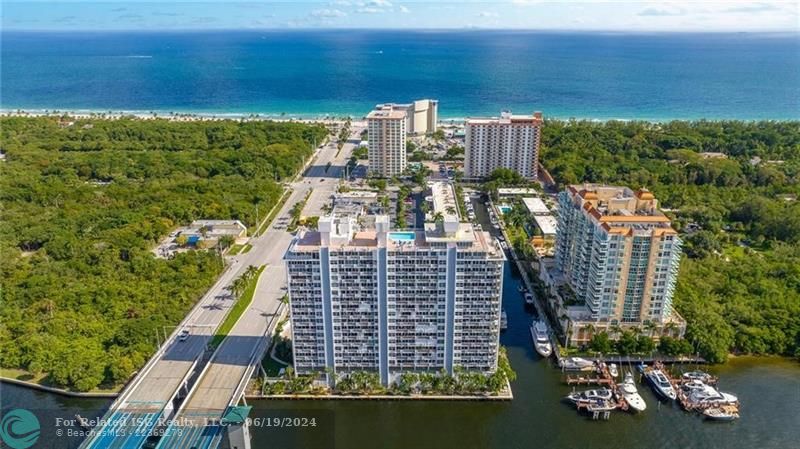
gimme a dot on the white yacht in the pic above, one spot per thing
(699, 375)
(721, 413)
(700, 393)
(541, 338)
(612, 369)
(503, 320)
(577, 364)
(528, 298)
(602, 394)
(631, 394)
(658, 380)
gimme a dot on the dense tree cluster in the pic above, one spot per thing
(84, 202)
(732, 189)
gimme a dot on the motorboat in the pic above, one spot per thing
(521, 288)
(700, 376)
(528, 298)
(541, 338)
(706, 394)
(724, 413)
(577, 364)
(612, 369)
(503, 320)
(600, 394)
(661, 385)
(631, 394)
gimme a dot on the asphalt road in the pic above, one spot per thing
(217, 386)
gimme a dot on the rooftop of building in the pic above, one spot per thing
(620, 209)
(510, 191)
(387, 112)
(547, 223)
(444, 199)
(212, 223)
(536, 206)
(468, 238)
(506, 117)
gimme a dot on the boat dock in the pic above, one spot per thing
(600, 376)
(683, 399)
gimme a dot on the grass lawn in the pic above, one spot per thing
(246, 249)
(272, 366)
(235, 249)
(275, 209)
(237, 310)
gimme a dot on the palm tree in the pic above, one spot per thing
(587, 328)
(251, 272)
(650, 328)
(438, 217)
(238, 286)
(616, 330)
(670, 328)
(225, 242)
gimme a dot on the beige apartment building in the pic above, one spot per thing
(619, 255)
(386, 128)
(509, 141)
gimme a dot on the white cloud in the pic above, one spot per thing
(488, 14)
(379, 3)
(328, 13)
(369, 10)
(404, 10)
(753, 8)
(662, 12)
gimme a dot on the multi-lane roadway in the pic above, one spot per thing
(172, 369)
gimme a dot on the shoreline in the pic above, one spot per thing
(177, 115)
(59, 391)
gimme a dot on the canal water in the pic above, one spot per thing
(768, 388)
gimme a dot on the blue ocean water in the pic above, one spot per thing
(584, 75)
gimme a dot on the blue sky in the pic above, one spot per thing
(464, 14)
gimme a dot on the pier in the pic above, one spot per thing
(600, 376)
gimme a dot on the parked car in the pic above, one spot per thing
(184, 335)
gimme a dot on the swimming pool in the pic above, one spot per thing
(505, 209)
(402, 236)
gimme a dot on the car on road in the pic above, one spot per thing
(184, 335)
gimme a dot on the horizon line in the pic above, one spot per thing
(462, 29)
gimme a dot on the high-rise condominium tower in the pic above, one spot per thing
(510, 141)
(391, 302)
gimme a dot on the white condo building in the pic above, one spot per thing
(386, 128)
(509, 141)
(422, 116)
(395, 301)
(618, 252)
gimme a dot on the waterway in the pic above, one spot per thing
(768, 388)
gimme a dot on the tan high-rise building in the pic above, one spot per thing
(386, 128)
(618, 252)
(509, 141)
(422, 116)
